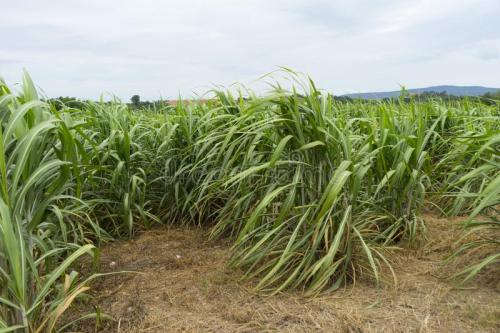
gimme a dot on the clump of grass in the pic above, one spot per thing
(37, 155)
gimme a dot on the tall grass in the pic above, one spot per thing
(312, 190)
(38, 168)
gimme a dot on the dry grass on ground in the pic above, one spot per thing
(183, 285)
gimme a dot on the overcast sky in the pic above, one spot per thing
(160, 48)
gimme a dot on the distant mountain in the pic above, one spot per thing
(450, 90)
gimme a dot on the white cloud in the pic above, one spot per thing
(422, 11)
(158, 48)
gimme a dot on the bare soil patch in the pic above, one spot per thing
(182, 284)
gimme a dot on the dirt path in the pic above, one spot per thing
(184, 286)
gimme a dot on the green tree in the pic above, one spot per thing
(136, 100)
